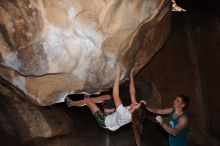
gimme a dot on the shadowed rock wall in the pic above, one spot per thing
(25, 121)
(189, 64)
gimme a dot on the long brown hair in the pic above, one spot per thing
(138, 117)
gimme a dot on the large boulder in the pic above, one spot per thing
(49, 49)
(24, 121)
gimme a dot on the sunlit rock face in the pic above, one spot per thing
(52, 48)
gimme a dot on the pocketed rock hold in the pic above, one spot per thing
(49, 49)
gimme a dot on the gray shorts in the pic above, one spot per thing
(100, 117)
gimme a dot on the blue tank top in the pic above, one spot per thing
(181, 138)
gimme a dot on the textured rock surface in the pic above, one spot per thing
(26, 121)
(52, 48)
(191, 67)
